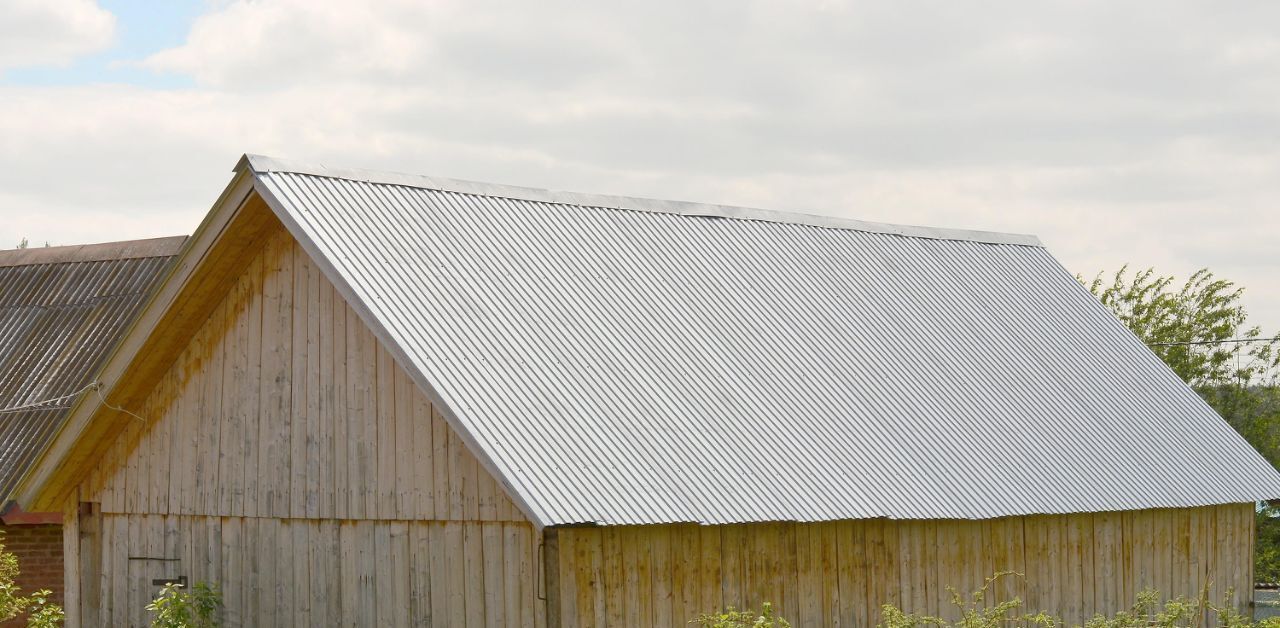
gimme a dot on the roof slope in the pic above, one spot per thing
(628, 361)
(62, 309)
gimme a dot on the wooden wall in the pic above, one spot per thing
(287, 457)
(321, 572)
(839, 573)
(285, 405)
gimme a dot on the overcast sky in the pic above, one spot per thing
(1140, 133)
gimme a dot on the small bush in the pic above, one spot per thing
(1145, 613)
(743, 619)
(176, 608)
(40, 612)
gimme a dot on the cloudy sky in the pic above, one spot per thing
(1145, 132)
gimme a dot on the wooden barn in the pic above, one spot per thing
(379, 399)
(62, 309)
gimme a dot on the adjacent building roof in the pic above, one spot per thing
(628, 361)
(62, 309)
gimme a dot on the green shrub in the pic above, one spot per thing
(40, 612)
(743, 619)
(176, 608)
(1146, 612)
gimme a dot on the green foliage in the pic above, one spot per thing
(177, 608)
(1267, 550)
(1205, 310)
(743, 619)
(1147, 612)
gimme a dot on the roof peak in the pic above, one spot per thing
(260, 164)
(126, 249)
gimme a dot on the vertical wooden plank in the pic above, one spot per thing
(387, 450)
(405, 447)
(230, 488)
(324, 552)
(441, 466)
(660, 541)
(1162, 552)
(626, 544)
(349, 567)
(614, 577)
(638, 583)
(1107, 575)
(419, 574)
(252, 390)
(384, 588)
(566, 583)
(233, 571)
(684, 573)
(470, 472)
(442, 577)
(71, 560)
(492, 562)
(401, 573)
(914, 575)
(1140, 537)
(283, 583)
(423, 471)
(1072, 567)
(157, 447)
(883, 564)
(302, 393)
(182, 452)
(826, 551)
(952, 575)
(709, 576)
(517, 575)
(327, 372)
(275, 403)
(808, 567)
(344, 363)
(209, 454)
(455, 583)
(367, 535)
(314, 431)
(1184, 583)
(368, 444)
(358, 415)
(259, 570)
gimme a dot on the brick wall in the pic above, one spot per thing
(39, 552)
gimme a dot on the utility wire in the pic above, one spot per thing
(47, 404)
(1211, 342)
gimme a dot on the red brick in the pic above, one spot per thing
(39, 552)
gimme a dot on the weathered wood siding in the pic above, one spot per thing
(285, 405)
(323, 572)
(840, 573)
(286, 457)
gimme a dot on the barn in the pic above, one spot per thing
(62, 309)
(366, 398)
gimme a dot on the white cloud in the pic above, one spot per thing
(1147, 134)
(51, 32)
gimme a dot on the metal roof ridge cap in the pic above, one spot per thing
(260, 164)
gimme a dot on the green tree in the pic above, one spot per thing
(1201, 330)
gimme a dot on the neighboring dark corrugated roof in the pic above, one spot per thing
(62, 310)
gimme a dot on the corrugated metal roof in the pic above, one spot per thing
(623, 361)
(62, 309)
